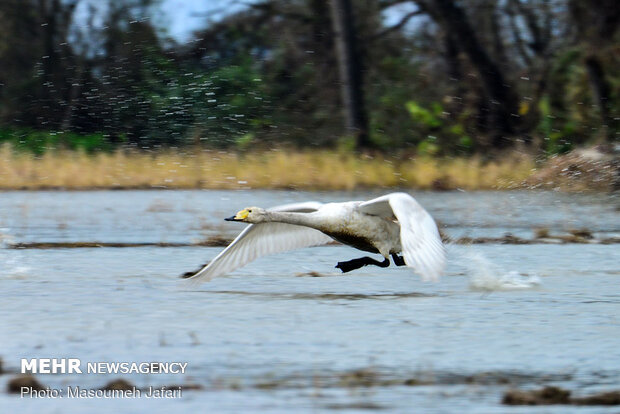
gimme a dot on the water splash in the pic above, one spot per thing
(12, 263)
(487, 276)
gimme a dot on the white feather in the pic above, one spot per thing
(370, 223)
(420, 240)
(263, 239)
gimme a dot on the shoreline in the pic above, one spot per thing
(576, 237)
(320, 170)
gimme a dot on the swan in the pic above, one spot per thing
(391, 224)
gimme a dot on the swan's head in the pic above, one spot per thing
(249, 215)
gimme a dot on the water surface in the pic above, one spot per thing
(270, 338)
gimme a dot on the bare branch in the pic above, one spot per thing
(516, 35)
(397, 26)
(538, 45)
(386, 4)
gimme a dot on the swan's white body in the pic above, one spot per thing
(389, 224)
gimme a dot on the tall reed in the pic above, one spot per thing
(313, 170)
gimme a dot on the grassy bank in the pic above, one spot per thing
(312, 170)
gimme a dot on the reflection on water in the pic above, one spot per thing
(264, 339)
(319, 296)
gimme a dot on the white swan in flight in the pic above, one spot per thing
(388, 225)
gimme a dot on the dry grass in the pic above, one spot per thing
(314, 170)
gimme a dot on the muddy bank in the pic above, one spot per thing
(375, 377)
(371, 377)
(576, 237)
(585, 169)
(554, 395)
(216, 241)
(363, 377)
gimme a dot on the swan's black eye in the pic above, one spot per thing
(249, 211)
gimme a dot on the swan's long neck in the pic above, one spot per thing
(300, 219)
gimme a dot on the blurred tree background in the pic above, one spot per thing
(437, 77)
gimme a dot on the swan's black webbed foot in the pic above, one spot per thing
(398, 260)
(362, 261)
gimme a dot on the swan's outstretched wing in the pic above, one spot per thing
(263, 239)
(419, 237)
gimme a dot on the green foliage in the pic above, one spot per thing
(38, 142)
(174, 103)
(442, 134)
(391, 125)
(556, 141)
(428, 118)
(266, 75)
(429, 146)
(347, 143)
(229, 104)
(244, 142)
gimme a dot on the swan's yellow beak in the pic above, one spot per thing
(240, 216)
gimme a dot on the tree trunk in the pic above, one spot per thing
(597, 23)
(350, 72)
(504, 102)
(602, 94)
(455, 72)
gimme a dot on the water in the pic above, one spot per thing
(270, 338)
(185, 216)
